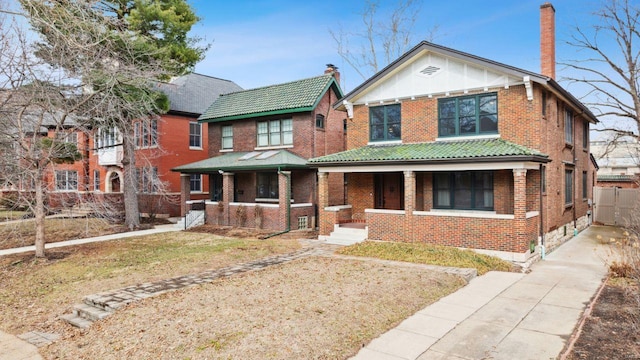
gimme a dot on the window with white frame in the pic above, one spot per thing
(107, 138)
(227, 137)
(66, 180)
(195, 135)
(146, 133)
(67, 137)
(96, 180)
(195, 181)
(148, 181)
(275, 132)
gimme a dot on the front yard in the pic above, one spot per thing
(315, 307)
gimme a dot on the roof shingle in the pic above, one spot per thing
(193, 93)
(251, 161)
(429, 151)
(295, 96)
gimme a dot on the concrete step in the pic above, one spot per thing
(90, 312)
(76, 321)
(346, 230)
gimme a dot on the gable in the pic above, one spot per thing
(430, 73)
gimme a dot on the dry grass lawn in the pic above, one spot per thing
(23, 233)
(33, 293)
(313, 308)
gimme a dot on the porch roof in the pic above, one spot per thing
(485, 150)
(249, 161)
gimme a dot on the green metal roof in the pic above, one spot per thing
(295, 96)
(473, 150)
(617, 178)
(250, 161)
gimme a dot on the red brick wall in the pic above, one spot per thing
(521, 121)
(466, 232)
(360, 193)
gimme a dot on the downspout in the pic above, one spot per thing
(541, 242)
(287, 209)
(575, 174)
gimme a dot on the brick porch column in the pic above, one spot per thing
(185, 192)
(284, 198)
(227, 195)
(520, 210)
(409, 204)
(325, 223)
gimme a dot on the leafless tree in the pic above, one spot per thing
(78, 76)
(608, 64)
(383, 38)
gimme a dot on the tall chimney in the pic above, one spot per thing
(332, 69)
(548, 40)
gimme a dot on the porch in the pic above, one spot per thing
(506, 222)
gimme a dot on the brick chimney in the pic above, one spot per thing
(332, 69)
(548, 40)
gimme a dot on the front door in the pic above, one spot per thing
(389, 191)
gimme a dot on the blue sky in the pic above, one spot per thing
(257, 43)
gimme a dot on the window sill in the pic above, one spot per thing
(225, 150)
(387, 142)
(195, 147)
(274, 147)
(471, 137)
(568, 145)
(269, 200)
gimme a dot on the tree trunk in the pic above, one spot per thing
(130, 181)
(39, 213)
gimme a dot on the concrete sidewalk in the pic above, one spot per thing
(157, 229)
(505, 315)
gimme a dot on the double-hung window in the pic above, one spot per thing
(146, 133)
(195, 135)
(148, 181)
(468, 115)
(568, 126)
(66, 180)
(227, 137)
(96, 180)
(195, 182)
(584, 185)
(267, 186)
(465, 190)
(275, 132)
(585, 135)
(385, 123)
(568, 187)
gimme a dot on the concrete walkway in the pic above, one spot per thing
(14, 348)
(505, 315)
(157, 229)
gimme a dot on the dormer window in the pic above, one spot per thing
(468, 115)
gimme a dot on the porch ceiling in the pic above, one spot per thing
(246, 161)
(439, 152)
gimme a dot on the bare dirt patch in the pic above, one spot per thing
(313, 308)
(611, 332)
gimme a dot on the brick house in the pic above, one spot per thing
(259, 143)
(448, 148)
(161, 144)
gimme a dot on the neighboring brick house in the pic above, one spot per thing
(448, 148)
(259, 143)
(174, 138)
